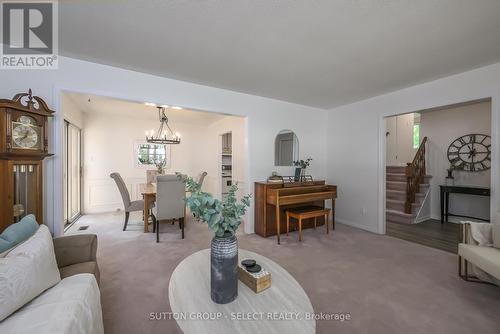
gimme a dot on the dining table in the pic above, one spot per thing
(148, 192)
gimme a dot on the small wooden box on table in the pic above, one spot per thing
(273, 199)
(256, 284)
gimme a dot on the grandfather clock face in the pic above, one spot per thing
(471, 153)
(26, 134)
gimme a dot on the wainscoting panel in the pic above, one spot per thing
(102, 195)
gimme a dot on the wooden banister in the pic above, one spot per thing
(415, 173)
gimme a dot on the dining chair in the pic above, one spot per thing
(170, 193)
(127, 203)
(201, 178)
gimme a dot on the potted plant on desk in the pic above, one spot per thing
(302, 164)
(223, 218)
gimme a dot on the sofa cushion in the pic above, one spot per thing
(27, 271)
(486, 258)
(18, 232)
(79, 268)
(72, 306)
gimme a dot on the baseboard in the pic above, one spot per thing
(422, 219)
(454, 220)
(357, 225)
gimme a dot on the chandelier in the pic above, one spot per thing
(165, 135)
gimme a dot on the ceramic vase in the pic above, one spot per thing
(224, 269)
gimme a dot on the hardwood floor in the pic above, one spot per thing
(429, 233)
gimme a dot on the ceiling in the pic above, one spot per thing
(321, 53)
(127, 109)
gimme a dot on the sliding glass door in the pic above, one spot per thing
(72, 172)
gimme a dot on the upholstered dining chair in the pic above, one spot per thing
(127, 203)
(170, 193)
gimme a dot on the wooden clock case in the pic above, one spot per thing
(21, 169)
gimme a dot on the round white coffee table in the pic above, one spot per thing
(282, 308)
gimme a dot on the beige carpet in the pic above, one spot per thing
(386, 284)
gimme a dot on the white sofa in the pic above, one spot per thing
(34, 298)
(71, 306)
(479, 252)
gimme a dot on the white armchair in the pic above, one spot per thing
(170, 194)
(479, 252)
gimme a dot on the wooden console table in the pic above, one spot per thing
(445, 192)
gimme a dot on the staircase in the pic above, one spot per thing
(406, 189)
(396, 196)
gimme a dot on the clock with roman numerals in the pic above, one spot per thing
(471, 153)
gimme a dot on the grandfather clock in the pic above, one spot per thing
(23, 146)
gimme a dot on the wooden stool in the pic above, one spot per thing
(305, 213)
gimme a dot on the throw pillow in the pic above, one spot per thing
(27, 271)
(18, 232)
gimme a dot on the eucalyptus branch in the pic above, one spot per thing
(221, 216)
(302, 163)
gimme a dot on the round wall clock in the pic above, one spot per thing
(471, 153)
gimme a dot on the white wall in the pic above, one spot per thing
(71, 111)
(442, 127)
(266, 117)
(399, 145)
(110, 146)
(358, 168)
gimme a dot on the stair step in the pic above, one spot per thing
(395, 169)
(398, 205)
(401, 195)
(396, 185)
(399, 217)
(401, 177)
(389, 220)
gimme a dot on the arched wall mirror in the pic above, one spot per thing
(286, 148)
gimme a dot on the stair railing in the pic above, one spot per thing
(415, 173)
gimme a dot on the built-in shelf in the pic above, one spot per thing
(226, 161)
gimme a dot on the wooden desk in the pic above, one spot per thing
(148, 192)
(273, 198)
(445, 192)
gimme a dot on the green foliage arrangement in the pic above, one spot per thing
(302, 163)
(160, 165)
(223, 216)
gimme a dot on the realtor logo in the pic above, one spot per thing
(29, 35)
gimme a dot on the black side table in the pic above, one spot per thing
(445, 192)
